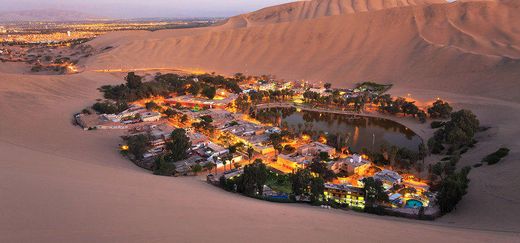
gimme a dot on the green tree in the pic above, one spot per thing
(276, 141)
(209, 92)
(422, 116)
(465, 120)
(133, 81)
(250, 152)
(440, 109)
(163, 167)
(195, 88)
(138, 145)
(374, 191)
(453, 188)
(108, 107)
(327, 85)
(196, 168)
(178, 145)
(409, 108)
(253, 179)
(232, 149)
(152, 106)
(317, 188)
(170, 112)
(184, 118)
(321, 169)
(300, 181)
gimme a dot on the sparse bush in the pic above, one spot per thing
(496, 156)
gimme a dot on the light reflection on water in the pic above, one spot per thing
(358, 132)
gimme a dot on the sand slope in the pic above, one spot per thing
(60, 183)
(470, 47)
(318, 8)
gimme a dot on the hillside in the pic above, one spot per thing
(318, 8)
(467, 47)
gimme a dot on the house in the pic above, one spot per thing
(354, 164)
(94, 121)
(343, 194)
(150, 116)
(251, 134)
(88, 121)
(185, 166)
(388, 177)
(294, 161)
(127, 114)
(162, 131)
(197, 140)
(316, 148)
(304, 155)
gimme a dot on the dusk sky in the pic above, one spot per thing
(144, 8)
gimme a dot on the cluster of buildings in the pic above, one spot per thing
(303, 156)
(122, 120)
(202, 150)
(252, 135)
(347, 189)
(232, 128)
(221, 100)
(401, 190)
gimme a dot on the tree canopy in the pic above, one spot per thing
(178, 145)
(374, 191)
(253, 180)
(440, 109)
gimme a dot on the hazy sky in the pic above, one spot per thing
(144, 8)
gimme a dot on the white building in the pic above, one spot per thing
(388, 177)
(150, 116)
(354, 164)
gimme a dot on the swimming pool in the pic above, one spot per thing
(412, 203)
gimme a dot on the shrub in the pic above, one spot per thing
(496, 156)
(436, 124)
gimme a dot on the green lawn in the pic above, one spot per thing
(279, 183)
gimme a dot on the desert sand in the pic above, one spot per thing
(62, 184)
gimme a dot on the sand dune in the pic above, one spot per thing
(470, 47)
(318, 8)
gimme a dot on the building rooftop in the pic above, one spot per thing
(344, 187)
(388, 175)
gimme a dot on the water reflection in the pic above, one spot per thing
(355, 131)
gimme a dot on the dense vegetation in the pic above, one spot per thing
(457, 132)
(109, 107)
(251, 182)
(440, 109)
(176, 149)
(373, 87)
(453, 188)
(374, 191)
(138, 145)
(164, 84)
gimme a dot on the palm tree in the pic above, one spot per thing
(250, 152)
